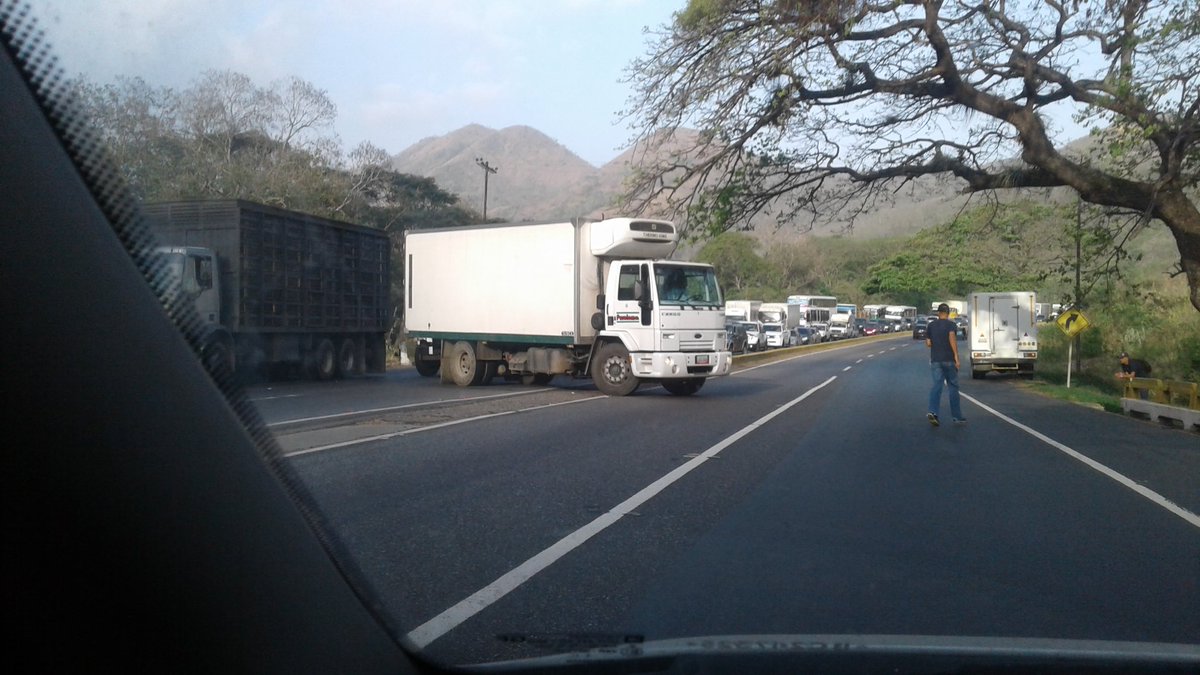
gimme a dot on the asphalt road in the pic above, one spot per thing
(804, 496)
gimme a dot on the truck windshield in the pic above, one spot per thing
(687, 285)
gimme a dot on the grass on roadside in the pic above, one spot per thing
(1083, 394)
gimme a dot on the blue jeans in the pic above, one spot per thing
(944, 371)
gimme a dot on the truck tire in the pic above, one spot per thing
(612, 370)
(218, 357)
(465, 369)
(427, 368)
(347, 360)
(683, 387)
(322, 362)
(490, 368)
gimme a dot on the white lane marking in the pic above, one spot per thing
(892, 349)
(859, 361)
(1142, 490)
(486, 596)
(271, 398)
(870, 356)
(846, 368)
(440, 425)
(422, 404)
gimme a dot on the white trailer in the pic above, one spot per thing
(742, 310)
(957, 307)
(1003, 332)
(777, 312)
(580, 298)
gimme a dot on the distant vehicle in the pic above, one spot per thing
(919, 326)
(872, 328)
(754, 340)
(736, 338)
(742, 310)
(804, 335)
(859, 325)
(1003, 333)
(776, 336)
(957, 307)
(822, 328)
(780, 313)
(962, 326)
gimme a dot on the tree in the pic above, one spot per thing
(808, 108)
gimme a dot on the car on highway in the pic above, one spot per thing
(963, 325)
(918, 331)
(776, 336)
(872, 328)
(736, 337)
(804, 335)
(755, 340)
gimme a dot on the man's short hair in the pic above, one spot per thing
(943, 308)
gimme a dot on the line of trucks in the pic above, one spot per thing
(277, 289)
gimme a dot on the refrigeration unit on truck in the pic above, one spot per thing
(1003, 332)
(582, 298)
(275, 287)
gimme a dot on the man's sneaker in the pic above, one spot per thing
(960, 420)
(932, 419)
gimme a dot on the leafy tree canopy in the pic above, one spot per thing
(811, 109)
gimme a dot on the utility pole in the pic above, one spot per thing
(1078, 265)
(487, 169)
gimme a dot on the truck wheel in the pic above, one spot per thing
(427, 368)
(218, 356)
(347, 361)
(683, 387)
(612, 371)
(322, 363)
(538, 379)
(465, 369)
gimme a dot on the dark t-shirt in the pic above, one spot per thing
(940, 332)
(1138, 367)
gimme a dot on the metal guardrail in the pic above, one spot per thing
(1169, 392)
(1168, 401)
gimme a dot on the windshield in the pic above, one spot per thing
(687, 285)
(511, 436)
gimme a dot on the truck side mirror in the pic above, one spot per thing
(600, 302)
(204, 276)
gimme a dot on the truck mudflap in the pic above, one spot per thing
(676, 365)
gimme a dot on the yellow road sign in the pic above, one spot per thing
(1073, 322)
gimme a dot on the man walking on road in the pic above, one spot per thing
(941, 336)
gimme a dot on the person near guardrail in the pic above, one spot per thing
(941, 337)
(1133, 368)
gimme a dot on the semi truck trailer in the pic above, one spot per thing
(276, 288)
(1003, 331)
(584, 298)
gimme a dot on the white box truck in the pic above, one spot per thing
(580, 298)
(742, 310)
(1003, 332)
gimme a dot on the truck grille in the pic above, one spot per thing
(696, 345)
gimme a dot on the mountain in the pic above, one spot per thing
(536, 177)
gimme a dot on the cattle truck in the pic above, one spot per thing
(585, 298)
(278, 289)
(1003, 331)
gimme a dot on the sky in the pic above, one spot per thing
(398, 70)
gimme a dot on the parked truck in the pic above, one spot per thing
(742, 310)
(842, 324)
(277, 288)
(581, 298)
(1003, 332)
